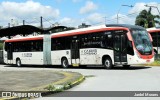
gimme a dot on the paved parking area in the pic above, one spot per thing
(25, 80)
(35, 80)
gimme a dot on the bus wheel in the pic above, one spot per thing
(107, 63)
(64, 63)
(18, 63)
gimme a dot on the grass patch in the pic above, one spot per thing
(155, 63)
(50, 87)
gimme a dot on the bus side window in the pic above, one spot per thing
(54, 44)
(108, 40)
(96, 40)
(102, 42)
(155, 37)
(67, 42)
(130, 48)
(6, 46)
(59, 45)
(41, 45)
(32, 46)
(82, 43)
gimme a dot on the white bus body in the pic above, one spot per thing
(79, 47)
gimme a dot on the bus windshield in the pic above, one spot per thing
(142, 41)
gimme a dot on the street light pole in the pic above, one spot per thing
(23, 22)
(119, 11)
(41, 22)
(153, 7)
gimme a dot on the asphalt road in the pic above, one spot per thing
(135, 78)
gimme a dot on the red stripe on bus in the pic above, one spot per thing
(24, 39)
(88, 32)
(150, 31)
(69, 34)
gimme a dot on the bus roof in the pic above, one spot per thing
(80, 31)
(125, 25)
(87, 30)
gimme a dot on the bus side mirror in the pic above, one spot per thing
(130, 43)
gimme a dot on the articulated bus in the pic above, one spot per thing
(155, 33)
(106, 45)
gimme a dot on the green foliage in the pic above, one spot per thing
(155, 63)
(146, 19)
(50, 87)
(1, 46)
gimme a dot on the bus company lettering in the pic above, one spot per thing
(26, 54)
(89, 52)
(92, 43)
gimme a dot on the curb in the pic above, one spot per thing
(55, 87)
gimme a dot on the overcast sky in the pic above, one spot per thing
(72, 12)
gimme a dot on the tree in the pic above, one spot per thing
(146, 19)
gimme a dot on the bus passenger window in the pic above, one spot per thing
(108, 41)
(130, 48)
(6, 46)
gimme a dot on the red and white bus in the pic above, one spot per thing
(106, 45)
(155, 33)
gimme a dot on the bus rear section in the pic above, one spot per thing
(24, 50)
(155, 34)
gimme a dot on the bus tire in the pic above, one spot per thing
(107, 63)
(64, 63)
(18, 63)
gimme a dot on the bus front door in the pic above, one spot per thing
(75, 52)
(120, 49)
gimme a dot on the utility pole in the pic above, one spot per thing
(9, 25)
(23, 22)
(41, 22)
(153, 7)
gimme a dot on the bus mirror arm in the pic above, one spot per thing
(155, 51)
(130, 43)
